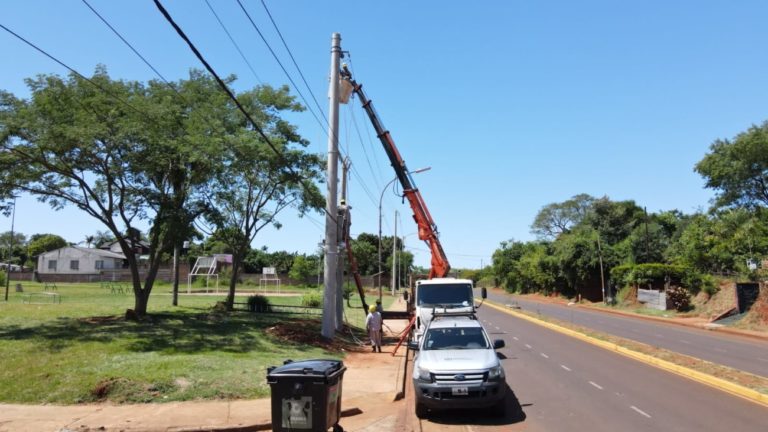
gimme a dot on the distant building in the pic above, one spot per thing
(78, 260)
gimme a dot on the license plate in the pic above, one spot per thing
(460, 391)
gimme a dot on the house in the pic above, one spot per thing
(76, 260)
(140, 246)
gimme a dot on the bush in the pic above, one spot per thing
(312, 298)
(258, 303)
(679, 298)
(619, 274)
(2, 279)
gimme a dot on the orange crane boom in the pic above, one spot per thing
(426, 225)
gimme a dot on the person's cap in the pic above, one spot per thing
(372, 308)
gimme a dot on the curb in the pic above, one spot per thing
(706, 379)
(258, 426)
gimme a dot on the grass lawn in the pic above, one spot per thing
(81, 350)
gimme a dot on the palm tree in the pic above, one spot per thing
(89, 240)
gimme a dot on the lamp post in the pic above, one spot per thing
(420, 170)
(10, 253)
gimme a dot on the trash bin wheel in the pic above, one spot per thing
(337, 428)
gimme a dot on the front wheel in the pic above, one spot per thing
(421, 410)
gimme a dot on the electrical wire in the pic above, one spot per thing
(293, 59)
(79, 75)
(240, 107)
(269, 47)
(135, 51)
(231, 39)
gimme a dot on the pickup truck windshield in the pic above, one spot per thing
(445, 294)
(455, 338)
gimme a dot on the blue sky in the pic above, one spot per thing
(513, 104)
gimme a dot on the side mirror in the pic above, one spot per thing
(405, 295)
(498, 343)
(413, 345)
(484, 292)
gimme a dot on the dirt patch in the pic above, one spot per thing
(757, 317)
(102, 319)
(307, 332)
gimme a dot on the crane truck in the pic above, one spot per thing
(438, 291)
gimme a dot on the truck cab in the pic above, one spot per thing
(449, 295)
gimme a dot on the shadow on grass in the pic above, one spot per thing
(166, 333)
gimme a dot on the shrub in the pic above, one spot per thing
(2, 279)
(619, 274)
(312, 298)
(679, 298)
(258, 303)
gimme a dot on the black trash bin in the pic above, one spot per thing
(306, 395)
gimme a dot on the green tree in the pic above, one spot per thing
(41, 243)
(120, 151)
(254, 185)
(559, 218)
(18, 253)
(738, 169)
(302, 269)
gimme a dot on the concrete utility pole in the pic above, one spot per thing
(394, 257)
(331, 213)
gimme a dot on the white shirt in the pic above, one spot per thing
(373, 321)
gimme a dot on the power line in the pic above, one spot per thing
(131, 47)
(283, 67)
(229, 93)
(79, 75)
(293, 59)
(221, 23)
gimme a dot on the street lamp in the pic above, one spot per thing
(420, 170)
(10, 253)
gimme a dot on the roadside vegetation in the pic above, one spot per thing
(597, 249)
(82, 350)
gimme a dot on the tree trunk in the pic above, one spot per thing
(236, 260)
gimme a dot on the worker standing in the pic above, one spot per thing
(373, 326)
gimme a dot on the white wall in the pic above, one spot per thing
(64, 257)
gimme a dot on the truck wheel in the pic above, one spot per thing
(500, 407)
(421, 410)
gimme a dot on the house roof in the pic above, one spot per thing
(91, 251)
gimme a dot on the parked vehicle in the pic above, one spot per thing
(444, 295)
(456, 366)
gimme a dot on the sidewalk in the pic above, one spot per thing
(369, 387)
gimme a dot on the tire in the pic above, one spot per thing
(500, 408)
(421, 410)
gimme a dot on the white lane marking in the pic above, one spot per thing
(515, 338)
(544, 355)
(565, 367)
(721, 350)
(762, 359)
(638, 410)
(497, 328)
(528, 346)
(685, 341)
(596, 385)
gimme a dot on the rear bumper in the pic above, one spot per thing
(481, 395)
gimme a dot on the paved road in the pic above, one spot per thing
(734, 351)
(561, 383)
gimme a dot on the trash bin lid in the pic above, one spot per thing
(308, 368)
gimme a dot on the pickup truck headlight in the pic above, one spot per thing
(496, 373)
(423, 374)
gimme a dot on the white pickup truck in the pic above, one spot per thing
(443, 295)
(456, 366)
